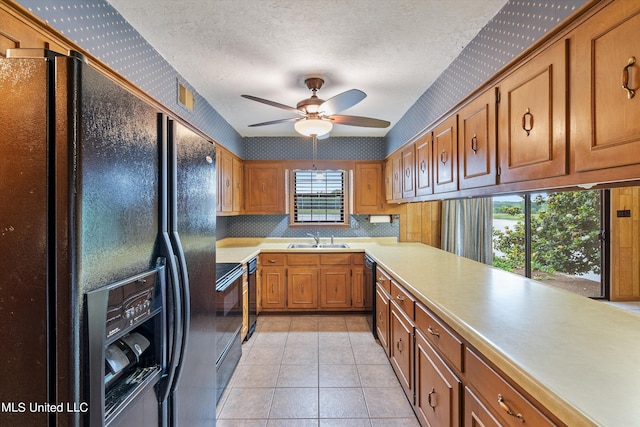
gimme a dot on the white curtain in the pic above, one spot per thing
(467, 227)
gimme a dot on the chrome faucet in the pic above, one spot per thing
(316, 237)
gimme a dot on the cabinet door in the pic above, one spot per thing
(225, 177)
(396, 162)
(477, 142)
(368, 188)
(408, 165)
(335, 288)
(445, 155)
(532, 136)
(605, 122)
(388, 179)
(424, 162)
(438, 389)
(302, 287)
(273, 288)
(264, 185)
(357, 288)
(382, 318)
(238, 185)
(401, 348)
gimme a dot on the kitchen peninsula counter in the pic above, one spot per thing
(578, 357)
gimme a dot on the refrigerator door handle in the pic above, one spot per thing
(176, 349)
(186, 298)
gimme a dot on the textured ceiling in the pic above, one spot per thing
(390, 49)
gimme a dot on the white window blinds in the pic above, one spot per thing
(319, 196)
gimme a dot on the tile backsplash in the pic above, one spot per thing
(278, 226)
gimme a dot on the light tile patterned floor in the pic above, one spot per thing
(314, 371)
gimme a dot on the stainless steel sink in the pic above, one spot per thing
(318, 246)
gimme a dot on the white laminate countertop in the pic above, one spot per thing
(578, 357)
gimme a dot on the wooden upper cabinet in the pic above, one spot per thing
(230, 182)
(477, 142)
(264, 188)
(532, 134)
(396, 184)
(369, 197)
(605, 116)
(424, 165)
(238, 185)
(445, 155)
(408, 166)
(225, 180)
(17, 34)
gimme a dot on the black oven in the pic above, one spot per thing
(370, 291)
(228, 321)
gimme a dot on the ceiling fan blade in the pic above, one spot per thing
(341, 102)
(367, 122)
(273, 122)
(274, 104)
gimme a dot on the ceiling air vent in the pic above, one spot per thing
(185, 97)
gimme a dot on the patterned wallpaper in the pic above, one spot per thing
(334, 148)
(278, 226)
(515, 27)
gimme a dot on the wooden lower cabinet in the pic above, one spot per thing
(273, 295)
(302, 285)
(438, 389)
(335, 287)
(401, 348)
(382, 317)
(312, 281)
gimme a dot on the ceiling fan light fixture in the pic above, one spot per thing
(313, 126)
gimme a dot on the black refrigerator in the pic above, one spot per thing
(189, 174)
(108, 253)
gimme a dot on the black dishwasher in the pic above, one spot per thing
(370, 291)
(252, 266)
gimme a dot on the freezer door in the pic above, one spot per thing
(24, 207)
(192, 221)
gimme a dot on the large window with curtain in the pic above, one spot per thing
(556, 238)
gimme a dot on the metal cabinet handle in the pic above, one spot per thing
(272, 261)
(432, 399)
(395, 176)
(399, 345)
(380, 316)
(263, 187)
(423, 166)
(508, 410)
(625, 78)
(433, 332)
(527, 121)
(407, 172)
(272, 288)
(444, 157)
(228, 183)
(400, 297)
(474, 144)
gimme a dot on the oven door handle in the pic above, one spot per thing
(228, 281)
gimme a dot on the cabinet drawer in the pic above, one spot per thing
(448, 344)
(500, 397)
(303, 259)
(383, 279)
(335, 259)
(272, 259)
(403, 299)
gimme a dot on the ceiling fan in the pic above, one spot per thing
(317, 116)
